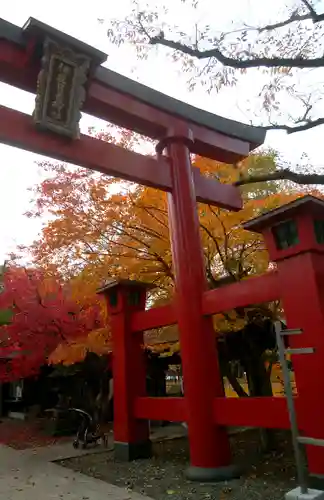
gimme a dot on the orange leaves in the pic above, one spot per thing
(68, 353)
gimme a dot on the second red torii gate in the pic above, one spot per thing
(66, 77)
(294, 236)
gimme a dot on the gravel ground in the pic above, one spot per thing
(162, 477)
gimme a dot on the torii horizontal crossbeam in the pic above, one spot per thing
(17, 129)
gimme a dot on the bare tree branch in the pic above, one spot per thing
(312, 12)
(296, 17)
(281, 24)
(214, 239)
(298, 128)
(239, 63)
(280, 175)
(267, 62)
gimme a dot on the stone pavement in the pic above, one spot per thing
(31, 474)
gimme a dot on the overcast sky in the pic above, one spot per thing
(18, 168)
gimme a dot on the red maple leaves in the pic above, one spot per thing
(44, 315)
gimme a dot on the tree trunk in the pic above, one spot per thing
(235, 383)
(226, 371)
(259, 382)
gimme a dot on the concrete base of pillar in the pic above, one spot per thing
(296, 494)
(207, 475)
(126, 452)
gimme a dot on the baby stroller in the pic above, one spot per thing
(88, 431)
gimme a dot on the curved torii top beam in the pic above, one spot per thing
(67, 77)
(105, 84)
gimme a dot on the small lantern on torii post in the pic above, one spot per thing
(294, 236)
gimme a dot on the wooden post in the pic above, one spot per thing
(210, 456)
(131, 435)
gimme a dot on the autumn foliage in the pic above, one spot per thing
(44, 314)
(101, 227)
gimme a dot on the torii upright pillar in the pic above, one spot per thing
(209, 445)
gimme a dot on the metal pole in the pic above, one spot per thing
(301, 465)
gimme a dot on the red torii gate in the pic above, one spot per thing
(294, 235)
(66, 76)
